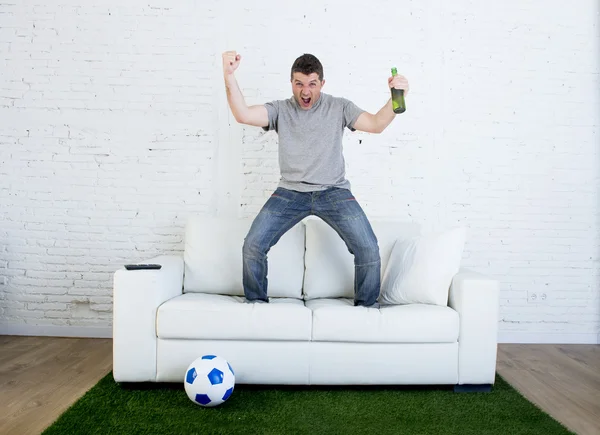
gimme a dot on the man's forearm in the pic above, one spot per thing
(235, 98)
(385, 116)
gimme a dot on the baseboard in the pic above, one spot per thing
(547, 338)
(57, 331)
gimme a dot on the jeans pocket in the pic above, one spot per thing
(349, 209)
(343, 202)
(278, 203)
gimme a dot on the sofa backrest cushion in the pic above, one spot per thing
(213, 258)
(330, 266)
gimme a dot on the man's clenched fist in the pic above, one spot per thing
(398, 82)
(231, 61)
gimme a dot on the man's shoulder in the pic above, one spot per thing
(286, 102)
(335, 100)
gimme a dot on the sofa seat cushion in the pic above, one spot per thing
(340, 320)
(209, 317)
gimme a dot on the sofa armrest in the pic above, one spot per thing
(476, 299)
(137, 294)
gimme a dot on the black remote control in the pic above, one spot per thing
(142, 266)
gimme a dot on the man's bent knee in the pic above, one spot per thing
(253, 248)
(367, 255)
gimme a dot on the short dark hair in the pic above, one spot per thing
(307, 64)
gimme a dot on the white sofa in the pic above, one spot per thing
(310, 332)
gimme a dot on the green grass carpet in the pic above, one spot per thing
(165, 409)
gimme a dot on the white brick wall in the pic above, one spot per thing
(114, 128)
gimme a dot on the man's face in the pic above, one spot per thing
(306, 89)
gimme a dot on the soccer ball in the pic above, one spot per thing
(209, 381)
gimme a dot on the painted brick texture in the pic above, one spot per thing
(114, 129)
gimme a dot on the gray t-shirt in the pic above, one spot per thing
(310, 141)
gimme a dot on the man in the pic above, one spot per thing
(310, 126)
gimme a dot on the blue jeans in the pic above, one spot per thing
(338, 208)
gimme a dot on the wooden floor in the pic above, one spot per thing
(562, 379)
(40, 377)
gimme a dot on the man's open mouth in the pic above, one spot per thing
(306, 101)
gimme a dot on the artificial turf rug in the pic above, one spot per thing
(109, 408)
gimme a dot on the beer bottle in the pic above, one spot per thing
(398, 104)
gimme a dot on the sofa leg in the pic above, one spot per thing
(141, 386)
(137, 385)
(473, 388)
(130, 385)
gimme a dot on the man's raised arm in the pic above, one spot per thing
(379, 122)
(253, 115)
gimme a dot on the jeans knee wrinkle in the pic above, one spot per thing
(253, 250)
(372, 263)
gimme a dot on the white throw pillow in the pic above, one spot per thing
(420, 269)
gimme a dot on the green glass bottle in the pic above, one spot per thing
(398, 103)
